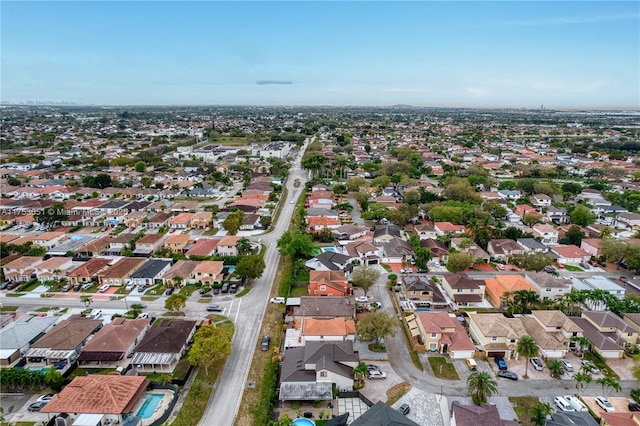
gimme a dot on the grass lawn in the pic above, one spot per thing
(572, 268)
(297, 291)
(188, 290)
(210, 232)
(396, 392)
(375, 347)
(8, 309)
(522, 405)
(443, 369)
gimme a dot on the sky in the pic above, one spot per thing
(424, 53)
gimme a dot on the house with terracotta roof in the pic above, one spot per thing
(425, 230)
(328, 283)
(463, 290)
(591, 246)
(176, 243)
(228, 245)
(53, 268)
(444, 228)
(209, 272)
(317, 223)
(496, 334)
(113, 396)
(570, 254)
(21, 269)
(120, 271)
(524, 209)
(181, 221)
(49, 240)
(201, 220)
(163, 346)
(618, 419)
(325, 330)
(547, 234)
(114, 342)
(61, 345)
(440, 332)
(501, 284)
(88, 271)
(437, 248)
(203, 247)
(148, 244)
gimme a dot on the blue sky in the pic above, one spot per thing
(515, 53)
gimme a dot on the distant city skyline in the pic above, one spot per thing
(475, 54)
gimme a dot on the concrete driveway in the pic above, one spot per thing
(426, 408)
(376, 390)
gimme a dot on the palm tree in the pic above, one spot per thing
(528, 348)
(539, 413)
(555, 368)
(87, 300)
(609, 382)
(525, 300)
(584, 345)
(243, 246)
(53, 378)
(582, 380)
(481, 386)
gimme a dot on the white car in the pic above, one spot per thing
(96, 314)
(143, 315)
(567, 365)
(575, 403)
(563, 404)
(605, 404)
(590, 367)
(374, 375)
(103, 288)
(362, 299)
(279, 300)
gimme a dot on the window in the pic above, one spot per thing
(494, 339)
(512, 341)
(323, 373)
(434, 335)
(547, 289)
(459, 290)
(629, 334)
(323, 287)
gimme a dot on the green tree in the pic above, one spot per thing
(211, 346)
(250, 267)
(460, 190)
(572, 188)
(581, 215)
(87, 300)
(295, 244)
(140, 166)
(460, 261)
(53, 378)
(535, 262)
(613, 250)
(573, 236)
(243, 246)
(540, 412)
(525, 300)
(582, 379)
(233, 222)
(376, 326)
(365, 277)
(175, 302)
(481, 386)
(555, 368)
(531, 219)
(528, 348)
(608, 382)
(52, 215)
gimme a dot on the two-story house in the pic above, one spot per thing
(504, 249)
(21, 269)
(612, 325)
(548, 234)
(53, 268)
(228, 245)
(557, 215)
(496, 334)
(181, 222)
(628, 220)
(599, 282)
(549, 287)
(425, 230)
(423, 292)
(363, 252)
(558, 325)
(591, 246)
(328, 283)
(497, 287)
(463, 290)
(441, 332)
(149, 243)
(118, 243)
(176, 243)
(540, 200)
(201, 220)
(208, 272)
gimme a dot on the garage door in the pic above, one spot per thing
(496, 353)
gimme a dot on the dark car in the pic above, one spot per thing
(603, 264)
(502, 365)
(215, 308)
(12, 285)
(634, 406)
(4, 285)
(404, 409)
(507, 375)
(37, 406)
(216, 290)
(371, 367)
(264, 345)
(77, 287)
(422, 271)
(169, 291)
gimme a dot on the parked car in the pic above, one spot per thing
(375, 375)
(86, 286)
(362, 299)
(103, 288)
(584, 266)
(278, 300)
(143, 315)
(563, 404)
(12, 285)
(96, 314)
(46, 398)
(4, 285)
(605, 404)
(67, 287)
(37, 406)
(507, 375)
(472, 364)
(264, 345)
(169, 291)
(537, 364)
(602, 264)
(567, 365)
(215, 308)
(422, 271)
(130, 285)
(575, 403)
(233, 289)
(404, 409)
(142, 288)
(225, 288)
(77, 287)
(634, 406)
(502, 365)
(371, 367)
(216, 290)
(590, 367)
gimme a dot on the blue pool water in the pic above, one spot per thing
(303, 422)
(232, 268)
(149, 405)
(331, 249)
(423, 310)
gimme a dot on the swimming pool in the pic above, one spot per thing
(331, 249)
(301, 421)
(149, 405)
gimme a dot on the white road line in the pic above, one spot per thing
(238, 311)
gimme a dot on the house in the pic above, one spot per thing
(309, 329)
(201, 220)
(463, 290)
(633, 320)
(182, 221)
(114, 342)
(88, 271)
(181, 271)
(559, 326)
(325, 307)
(547, 286)
(48, 240)
(120, 271)
(499, 285)
(441, 332)
(203, 247)
(540, 200)
(509, 195)
(251, 222)
(163, 346)
(113, 396)
(176, 243)
(53, 268)
(158, 220)
(437, 248)
(149, 243)
(329, 261)
(523, 210)
(532, 246)
(571, 418)
(118, 243)
(380, 414)
(504, 249)
(309, 372)
(612, 325)
(150, 271)
(396, 250)
(570, 254)
(603, 343)
(423, 292)
(547, 234)
(386, 233)
(591, 246)
(363, 252)
(477, 415)
(618, 419)
(318, 223)
(349, 232)
(448, 228)
(134, 219)
(61, 345)
(328, 283)
(496, 334)
(425, 230)
(16, 337)
(209, 272)
(94, 248)
(599, 282)
(21, 269)
(548, 345)
(228, 245)
(557, 215)
(628, 220)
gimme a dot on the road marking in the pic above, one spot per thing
(238, 311)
